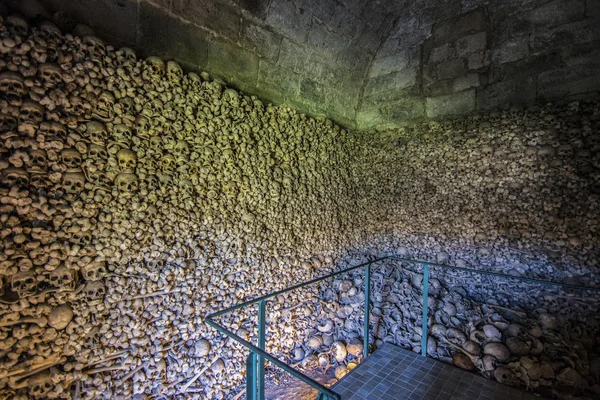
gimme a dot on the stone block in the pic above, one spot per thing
(512, 50)
(341, 105)
(389, 64)
(565, 36)
(405, 109)
(442, 53)
(570, 82)
(451, 69)
(477, 61)
(293, 55)
(366, 119)
(232, 60)
(311, 92)
(474, 43)
(260, 40)
(394, 81)
(175, 38)
(323, 10)
(257, 8)
(436, 88)
(327, 43)
(450, 104)
(355, 58)
(345, 23)
(367, 41)
(219, 17)
(430, 12)
(278, 79)
(453, 28)
(513, 90)
(465, 82)
(558, 12)
(374, 15)
(291, 21)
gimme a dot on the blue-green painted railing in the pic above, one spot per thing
(255, 365)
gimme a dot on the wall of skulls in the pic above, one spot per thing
(135, 199)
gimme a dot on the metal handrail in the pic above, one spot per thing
(258, 355)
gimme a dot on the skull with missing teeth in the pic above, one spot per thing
(12, 87)
(63, 278)
(24, 283)
(30, 117)
(93, 292)
(94, 271)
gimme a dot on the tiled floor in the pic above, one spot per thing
(395, 373)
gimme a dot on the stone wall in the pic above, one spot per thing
(459, 57)
(311, 55)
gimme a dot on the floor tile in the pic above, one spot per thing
(395, 373)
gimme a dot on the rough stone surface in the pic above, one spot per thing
(354, 52)
(510, 52)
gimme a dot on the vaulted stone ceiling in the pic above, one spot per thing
(365, 63)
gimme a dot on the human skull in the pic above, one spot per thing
(73, 182)
(82, 238)
(40, 180)
(17, 26)
(95, 48)
(38, 161)
(506, 376)
(105, 107)
(40, 384)
(7, 122)
(79, 105)
(174, 71)
(153, 108)
(50, 32)
(14, 177)
(156, 64)
(63, 278)
(93, 292)
(127, 183)
(122, 134)
(97, 154)
(71, 158)
(142, 127)
(96, 132)
(168, 163)
(155, 370)
(24, 283)
(338, 351)
(51, 130)
(30, 116)
(126, 56)
(125, 106)
(12, 87)
(127, 160)
(51, 74)
(94, 271)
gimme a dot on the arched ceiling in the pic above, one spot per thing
(364, 63)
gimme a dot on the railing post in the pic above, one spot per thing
(367, 306)
(251, 376)
(260, 373)
(424, 330)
